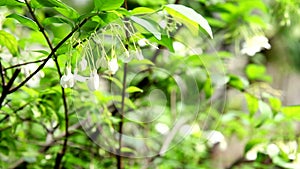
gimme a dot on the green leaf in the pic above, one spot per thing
(292, 112)
(252, 103)
(25, 21)
(68, 12)
(189, 17)
(275, 103)
(257, 72)
(46, 3)
(147, 25)
(11, 3)
(142, 10)
(252, 143)
(115, 80)
(237, 82)
(165, 40)
(9, 41)
(56, 19)
(133, 89)
(141, 62)
(60, 7)
(106, 5)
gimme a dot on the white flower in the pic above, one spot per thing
(162, 128)
(255, 44)
(272, 150)
(214, 137)
(82, 64)
(93, 81)
(179, 48)
(142, 42)
(113, 66)
(67, 80)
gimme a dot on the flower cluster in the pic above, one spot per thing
(103, 50)
(255, 44)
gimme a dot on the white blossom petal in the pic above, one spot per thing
(82, 64)
(255, 44)
(113, 66)
(93, 81)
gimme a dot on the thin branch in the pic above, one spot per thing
(119, 151)
(5, 88)
(42, 30)
(2, 74)
(50, 55)
(119, 157)
(23, 64)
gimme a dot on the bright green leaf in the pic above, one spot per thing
(140, 62)
(48, 3)
(292, 112)
(147, 25)
(257, 72)
(11, 3)
(275, 103)
(237, 82)
(252, 103)
(55, 19)
(252, 143)
(9, 41)
(141, 10)
(25, 21)
(106, 5)
(133, 89)
(189, 16)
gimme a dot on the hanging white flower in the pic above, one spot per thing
(82, 64)
(113, 66)
(67, 80)
(142, 42)
(255, 44)
(93, 81)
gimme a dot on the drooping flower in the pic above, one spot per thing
(142, 42)
(67, 80)
(113, 66)
(82, 64)
(255, 44)
(93, 81)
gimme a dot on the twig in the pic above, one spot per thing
(42, 30)
(2, 74)
(26, 63)
(119, 151)
(6, 87)
(50, 55)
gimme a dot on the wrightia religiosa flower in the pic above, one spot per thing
(67, 80)
(93, 81)
(112, 66)
(255, 44)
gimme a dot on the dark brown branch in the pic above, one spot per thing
(64, 149)
(23, 64)
(119, 151)
(50, 55)
(6, 87)
(2, 74)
